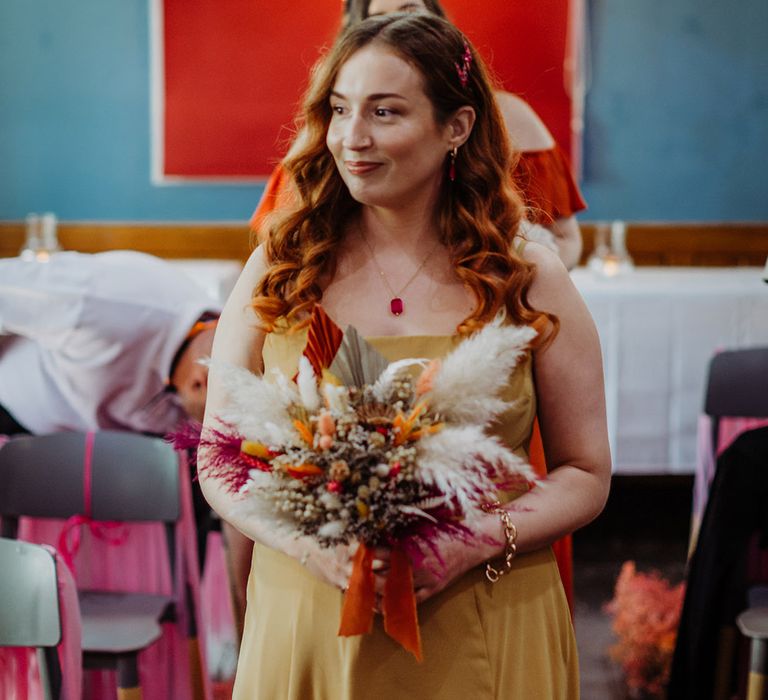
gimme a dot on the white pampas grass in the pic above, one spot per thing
(466, 387)
(307, 383)
(413, 510)
(335, 397)
(383, 385)
(457, 459)
(260, 510)
(259, 408)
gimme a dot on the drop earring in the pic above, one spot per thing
(452, 166)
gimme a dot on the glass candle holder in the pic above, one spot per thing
(41, 238)
(610, 257)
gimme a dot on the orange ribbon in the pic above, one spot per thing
(401, 620)
(398, 604)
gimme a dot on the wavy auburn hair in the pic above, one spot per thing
(477, 215)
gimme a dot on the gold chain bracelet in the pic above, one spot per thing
(510, 534)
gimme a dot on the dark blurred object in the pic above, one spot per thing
(737, 387)
(718, 577)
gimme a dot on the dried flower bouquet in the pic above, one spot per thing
(357, 449)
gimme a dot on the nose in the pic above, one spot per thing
(357, 136)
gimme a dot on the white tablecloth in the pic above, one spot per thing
(659, 328)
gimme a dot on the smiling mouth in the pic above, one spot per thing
(360, 167)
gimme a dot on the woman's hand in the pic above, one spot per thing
(330, 564)
(457, 557)
(448, 559)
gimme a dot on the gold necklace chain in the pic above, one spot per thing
(396, 303)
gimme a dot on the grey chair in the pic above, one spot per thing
(29, 607)
(134, 478)
(737, 386)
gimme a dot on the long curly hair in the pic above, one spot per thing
(477, 215)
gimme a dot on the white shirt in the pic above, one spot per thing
(86, 341)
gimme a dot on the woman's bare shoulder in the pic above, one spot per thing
(239, 335)
(551, 284)
(526, 129)
(257, 264)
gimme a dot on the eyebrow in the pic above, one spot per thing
(376, 96)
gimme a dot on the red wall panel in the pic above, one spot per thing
(234, 72)
(524, 42)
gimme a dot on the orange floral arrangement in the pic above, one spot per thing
(646, 612)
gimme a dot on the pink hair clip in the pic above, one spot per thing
(466, 62)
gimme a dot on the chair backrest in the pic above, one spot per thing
(29, 609)
(132, 477)
(29, 596)
(737, 386)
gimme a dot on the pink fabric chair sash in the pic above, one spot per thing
(113, 533)
(140, 565)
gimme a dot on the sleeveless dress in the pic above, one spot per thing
(509, 640)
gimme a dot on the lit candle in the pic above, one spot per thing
(611, 265)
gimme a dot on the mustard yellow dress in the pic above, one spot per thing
(510, 640)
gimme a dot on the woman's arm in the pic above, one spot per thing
(528, 132)
(239, 341)
(568, 238)
(571, 410)
(570, 394)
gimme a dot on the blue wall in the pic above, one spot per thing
(676, 120)
(677, 114)
(74, 118)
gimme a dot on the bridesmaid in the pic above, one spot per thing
(401, 225)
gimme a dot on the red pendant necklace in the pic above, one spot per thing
(396, 303)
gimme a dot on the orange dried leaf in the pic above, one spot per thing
(304, 431)
(428, 430)
(302, 470)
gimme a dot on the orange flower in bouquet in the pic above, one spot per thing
(646, 613)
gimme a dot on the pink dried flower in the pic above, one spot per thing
(427, 377)
(325, 424)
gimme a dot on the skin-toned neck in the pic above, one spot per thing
(411, 227)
